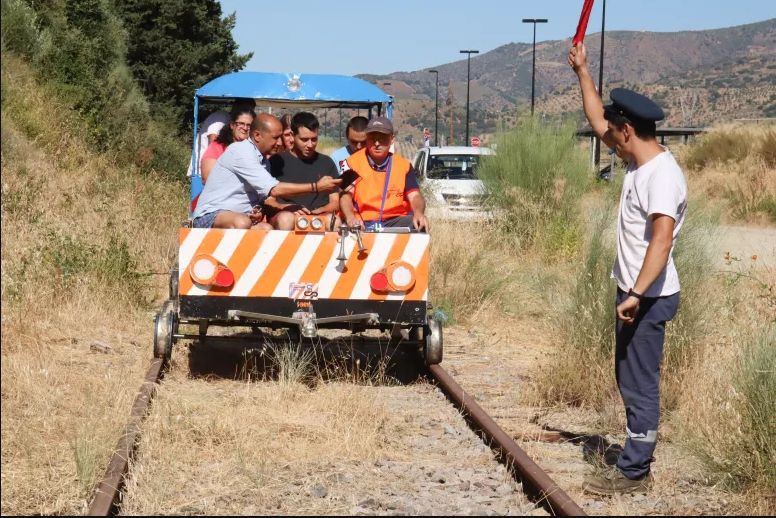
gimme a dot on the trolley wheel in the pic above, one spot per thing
(174, 284)
(432, 346)
(165, 326)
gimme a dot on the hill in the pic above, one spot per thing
(700, 77)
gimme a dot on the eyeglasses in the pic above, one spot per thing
(242, 124)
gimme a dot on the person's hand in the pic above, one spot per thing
(302, 211)
(328, 184)
(628, 309)
(577, 58)
(353, 221)
(256, 215)
(420, 222)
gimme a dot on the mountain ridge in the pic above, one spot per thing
(699, 77)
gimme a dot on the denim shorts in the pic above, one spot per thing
(206, 220)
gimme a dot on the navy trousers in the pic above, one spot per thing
(638, 355)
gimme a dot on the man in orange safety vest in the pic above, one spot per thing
(384, 190)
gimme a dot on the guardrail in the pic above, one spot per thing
(661, 133)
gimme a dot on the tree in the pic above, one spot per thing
(176, 46)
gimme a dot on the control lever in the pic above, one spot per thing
(357, 231)
(343, 233)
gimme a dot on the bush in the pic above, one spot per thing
(586, 325)
(534, 182)
(753, 452)
(731, 426)
(587, 318)
(19, 27)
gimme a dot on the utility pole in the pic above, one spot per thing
(600, 87)
(468, 61)
(534, 21)
(436, 108)
(450, 108)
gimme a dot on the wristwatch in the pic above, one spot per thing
(632, 293)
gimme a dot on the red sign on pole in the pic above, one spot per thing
(475, 141)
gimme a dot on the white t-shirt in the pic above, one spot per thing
(657, 187)
(210, 126)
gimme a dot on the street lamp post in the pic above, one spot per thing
(534, 21)
(468, 61)
(436, 108)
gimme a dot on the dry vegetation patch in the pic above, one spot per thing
(81, 237)
(736, 164)
(328, 447)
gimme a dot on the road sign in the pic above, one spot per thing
(475, 141)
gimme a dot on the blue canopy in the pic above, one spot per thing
(293, 90)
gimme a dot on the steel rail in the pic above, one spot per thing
(540, 486)
(108, 493)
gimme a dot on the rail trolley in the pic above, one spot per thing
(313, 277)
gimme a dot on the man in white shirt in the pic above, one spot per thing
(652, 210)
(240, 181)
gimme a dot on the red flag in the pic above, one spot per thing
(582, 25)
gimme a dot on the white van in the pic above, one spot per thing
(448, 178)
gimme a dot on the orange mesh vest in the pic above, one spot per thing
(368, 191)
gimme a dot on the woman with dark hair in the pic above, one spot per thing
(288, 133)
(237, 130)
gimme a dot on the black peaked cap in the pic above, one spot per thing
(634, 106)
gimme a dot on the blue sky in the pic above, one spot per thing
(374, 36)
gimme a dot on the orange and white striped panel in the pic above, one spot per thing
(267, 263)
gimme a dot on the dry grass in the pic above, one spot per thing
(80, 235)
(469, 269)
(285, 447)
(736, 165)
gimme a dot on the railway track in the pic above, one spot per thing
(538, 486)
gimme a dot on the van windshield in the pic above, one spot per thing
(452, 167)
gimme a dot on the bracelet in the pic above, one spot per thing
(632, 293)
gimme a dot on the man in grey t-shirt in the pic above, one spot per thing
(240, 180)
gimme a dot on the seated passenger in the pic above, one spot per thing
(386, 192)
(236, 131)
(211, 126)
(288, 134)
(355, 133)
(301, 165)
(240, 180)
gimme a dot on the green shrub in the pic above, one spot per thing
(684, 335)
(587, 318)
(739, 444)
(755, 382)
(19, 27)
(586, 325)
(535, 181)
